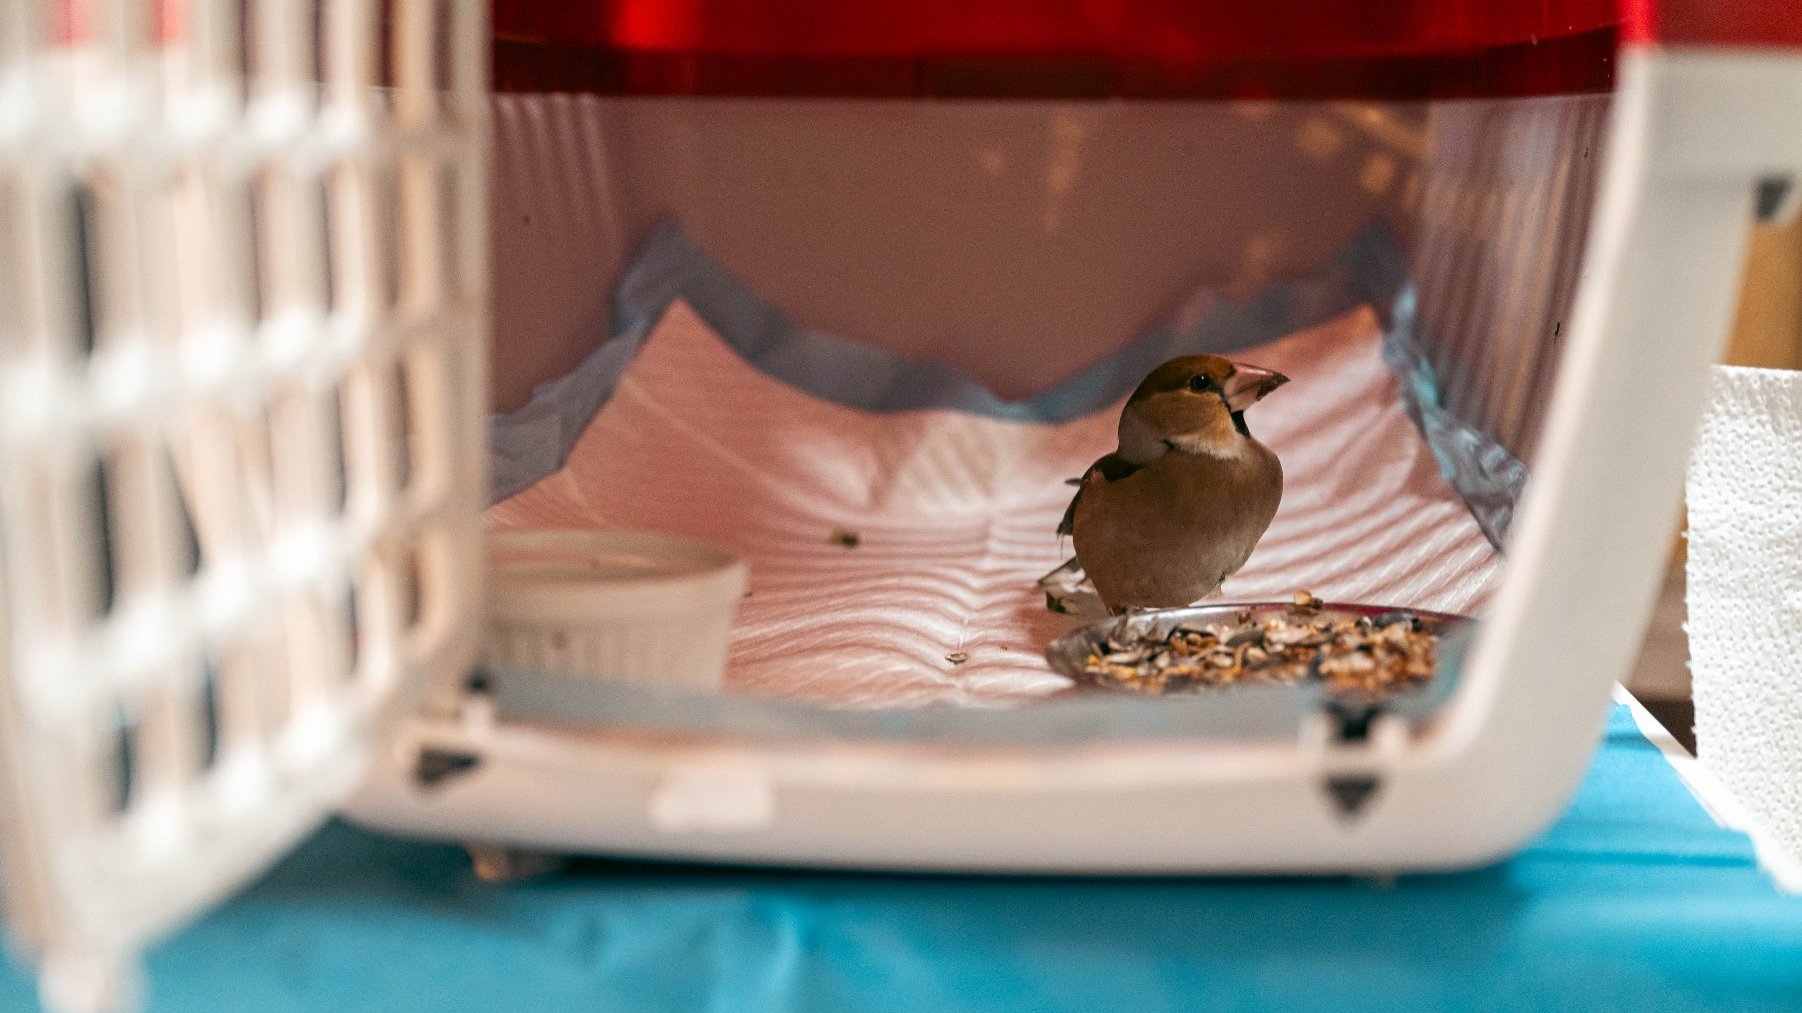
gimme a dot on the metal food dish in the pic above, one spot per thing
(1071, 654)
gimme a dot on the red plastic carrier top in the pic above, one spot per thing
(1077, 48)
(1759, 23)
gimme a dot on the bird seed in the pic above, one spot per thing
(1369, 656)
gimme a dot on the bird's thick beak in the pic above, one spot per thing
(1248, 384)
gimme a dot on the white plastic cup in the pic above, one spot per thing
(618, 606)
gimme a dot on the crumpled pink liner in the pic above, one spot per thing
(955, 515)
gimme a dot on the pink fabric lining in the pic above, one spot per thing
(956, 514)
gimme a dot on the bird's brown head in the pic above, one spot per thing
(1193, 403)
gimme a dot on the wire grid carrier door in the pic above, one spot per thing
(242, 341)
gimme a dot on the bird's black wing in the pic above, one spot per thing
(1113, 467)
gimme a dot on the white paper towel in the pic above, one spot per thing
(1745, 593)
(956, 513)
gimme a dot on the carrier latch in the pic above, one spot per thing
(1356, 743)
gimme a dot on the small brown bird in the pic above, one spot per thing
(1173, 512)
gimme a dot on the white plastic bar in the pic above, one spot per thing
(413, 55)
(352, 38)
(209, 51)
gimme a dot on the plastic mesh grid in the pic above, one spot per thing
(242, 311)
(1502, 221)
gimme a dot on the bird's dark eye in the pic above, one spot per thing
(1201, 383)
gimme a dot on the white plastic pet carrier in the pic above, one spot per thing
(743, 263)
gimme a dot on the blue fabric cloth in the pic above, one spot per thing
(1487, 477)
(1634, 900)
(534, 440)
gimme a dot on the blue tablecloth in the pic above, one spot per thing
(1635, 900)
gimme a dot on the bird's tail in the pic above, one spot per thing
(1063, 587)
